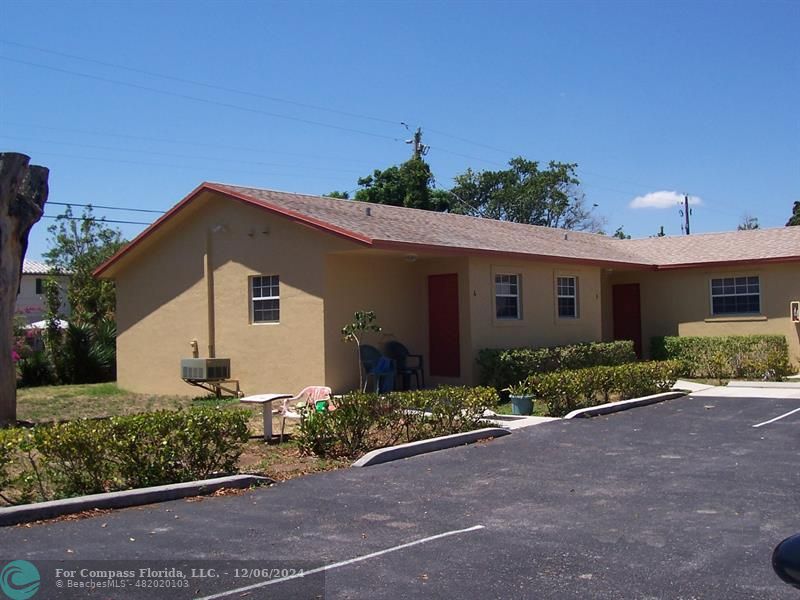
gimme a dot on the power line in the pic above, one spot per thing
(172, 166)
(244, 92)
(174, 155)
(169, 141)
(237, 106)
(143, 210)
(205, 84)
(98, 220)
(259, 111)
(199, 99)
(268, 113)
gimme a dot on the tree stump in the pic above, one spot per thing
(23, 193)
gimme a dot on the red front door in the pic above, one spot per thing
(628, 314)
(443, 335)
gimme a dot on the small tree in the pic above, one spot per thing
(77, 247)
(363, 321)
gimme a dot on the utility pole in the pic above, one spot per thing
(420, 149)
(685, 213)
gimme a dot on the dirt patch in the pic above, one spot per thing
(283, 461)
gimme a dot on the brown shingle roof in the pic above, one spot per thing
(425, 229)
(392, 227)
(731, 246)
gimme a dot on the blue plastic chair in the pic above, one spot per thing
(380, 368)
(405, 369)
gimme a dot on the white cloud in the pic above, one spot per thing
(662, 199)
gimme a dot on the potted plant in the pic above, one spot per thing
(521, 395)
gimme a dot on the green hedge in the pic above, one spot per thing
(727, 357)
(89, 456)
(564, 391)
(363, 422)
(500, 368)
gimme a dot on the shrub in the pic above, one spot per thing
(77, 456)
(90, 456)
(9, 444)
(727, 357)
(172, 446)
(501, 368)
(363, 422)
(35, 370)
(564, 391)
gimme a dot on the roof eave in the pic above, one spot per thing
(730, 263)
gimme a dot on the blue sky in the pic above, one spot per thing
(696, 97)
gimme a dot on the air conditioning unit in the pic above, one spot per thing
(206, 369)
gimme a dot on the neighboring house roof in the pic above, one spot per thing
(32, 267)
(391, 227)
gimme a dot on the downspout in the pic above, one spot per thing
(209, 274)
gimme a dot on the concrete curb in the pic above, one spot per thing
(14, 515)
(382, 455)
(786, 385)
(690, 386)
(612, 407)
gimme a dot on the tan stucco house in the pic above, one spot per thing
(31, 300)
(269, 278)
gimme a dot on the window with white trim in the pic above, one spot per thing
(567, 297)
(735, 295)
(265, 299)
(506, 296)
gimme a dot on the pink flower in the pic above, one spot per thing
(15, 356)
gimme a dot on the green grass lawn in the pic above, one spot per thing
(67, 402)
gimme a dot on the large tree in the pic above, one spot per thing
(23, 193)
(409, 185)
(747, 223)
(795, 218)
(525, 193)
(620, 234)
(78, 245)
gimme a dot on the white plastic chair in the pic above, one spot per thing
(297, 407)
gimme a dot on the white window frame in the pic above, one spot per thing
(254, 299)
(574, 296)
(712, 295)
(518, 296)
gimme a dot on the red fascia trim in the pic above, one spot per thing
(392, 245)
(730, 263)
(155, 225)
(294, 216)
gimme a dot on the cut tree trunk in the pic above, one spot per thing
(23, 193)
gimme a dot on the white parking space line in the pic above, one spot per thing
(778, 418)
(342, 563)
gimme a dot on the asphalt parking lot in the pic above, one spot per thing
(684, 499)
